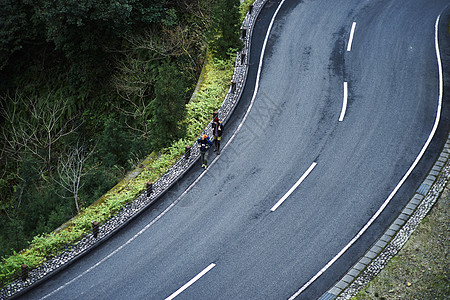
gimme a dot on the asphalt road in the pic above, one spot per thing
(227, 225)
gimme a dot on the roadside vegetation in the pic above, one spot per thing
(88, 90)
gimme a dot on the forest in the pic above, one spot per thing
(88, 88)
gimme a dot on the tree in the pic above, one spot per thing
(88, 26)
(18, 26)
(71, 170)
(113, 145)
(138, 71)
(223, 33)
(168, 108)
(134, 84)
(34, 126)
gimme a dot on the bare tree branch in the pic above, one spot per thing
(134, 84)
(33, 126)
(71, 170)
(173, 42)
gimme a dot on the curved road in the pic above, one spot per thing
(227, 238)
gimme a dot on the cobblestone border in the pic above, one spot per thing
(133, 209)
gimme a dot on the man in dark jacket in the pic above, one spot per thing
(217, 128)
(204, 144)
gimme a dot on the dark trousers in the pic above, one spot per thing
(204, 157)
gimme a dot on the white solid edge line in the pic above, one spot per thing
(255, 92)
(201, 175)
(352, 32)
(191, 282)
(344, 102)
(416, 161)
(313, 165)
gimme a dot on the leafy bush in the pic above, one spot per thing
(223, 33)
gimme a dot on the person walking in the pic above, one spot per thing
(204, 143)
(217, 134)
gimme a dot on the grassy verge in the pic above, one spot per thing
(421, 268)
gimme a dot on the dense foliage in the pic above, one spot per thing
(223, 34)
(88, 88)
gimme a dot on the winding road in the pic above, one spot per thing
(340, 109)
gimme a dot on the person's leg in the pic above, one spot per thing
(218, 145)
(215, 143)
(202, 157)
(206, 159)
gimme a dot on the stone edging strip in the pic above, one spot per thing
(73, 252)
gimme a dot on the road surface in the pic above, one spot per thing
(339, 117)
